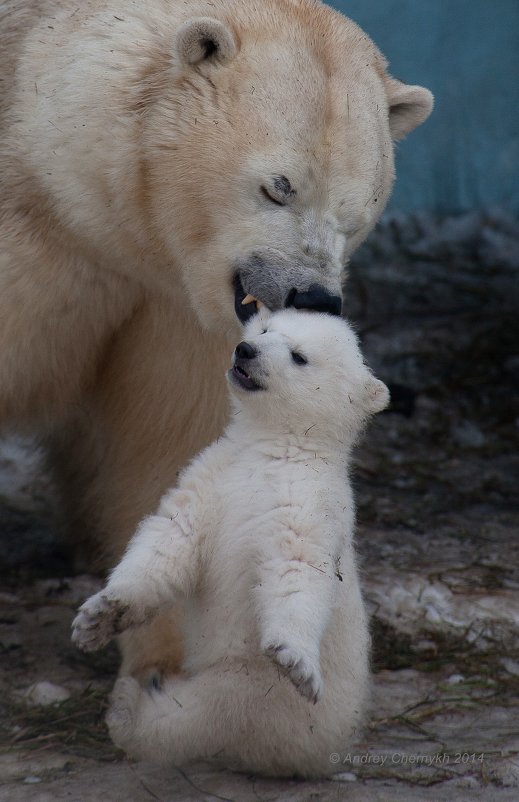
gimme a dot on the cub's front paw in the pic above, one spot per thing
(301, 669)
(98, 620)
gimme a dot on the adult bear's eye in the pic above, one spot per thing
(271, 198)
(299, 358)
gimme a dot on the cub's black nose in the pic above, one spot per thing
(245, 351)
(315, 298)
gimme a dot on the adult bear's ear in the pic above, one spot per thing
(409, 106)
(205, 39)
(376, 395)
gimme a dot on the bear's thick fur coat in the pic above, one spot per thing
(256, 544)
(160, 161)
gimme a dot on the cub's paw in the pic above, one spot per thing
(122, 715)
(98, 620)
(301, 669)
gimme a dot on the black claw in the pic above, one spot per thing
(155, 682)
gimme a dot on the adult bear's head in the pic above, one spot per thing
(269, 152)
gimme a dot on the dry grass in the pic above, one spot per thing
(75, 727)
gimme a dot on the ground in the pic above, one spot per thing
(436, 303)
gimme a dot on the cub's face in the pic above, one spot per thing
(304, 369)
(270, 154)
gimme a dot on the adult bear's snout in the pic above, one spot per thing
(316, 298)
(278, 282)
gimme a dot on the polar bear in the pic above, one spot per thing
(162, 163)
(256, 543)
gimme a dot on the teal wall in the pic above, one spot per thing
(467, 52)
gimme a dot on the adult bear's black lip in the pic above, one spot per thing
(244, 312)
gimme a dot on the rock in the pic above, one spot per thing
(511, 666)
(452, 234)
(17, 765)
(506, 772)
(467, 435)
(455, 679)
(412, 604)
(10, 637)
(45, 693)
(437, 300)
(345, 777)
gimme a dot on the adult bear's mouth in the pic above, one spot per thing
(245, 304)
(268, 290)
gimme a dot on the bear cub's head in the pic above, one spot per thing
(303, 372)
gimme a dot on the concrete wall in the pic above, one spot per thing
(467, 52)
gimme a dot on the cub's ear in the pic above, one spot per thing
(203, 39)
(376, 395)
(409, 106)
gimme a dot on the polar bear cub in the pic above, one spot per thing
(255, 544)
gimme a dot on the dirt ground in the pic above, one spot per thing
(436, 304)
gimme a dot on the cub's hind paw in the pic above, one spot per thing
(121, 716)
(133, 716)
(302, 671)
(98, 620)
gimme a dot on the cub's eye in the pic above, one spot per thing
(298, 358)
(266, 194)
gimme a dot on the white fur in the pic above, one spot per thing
(256, 543)
(136, 161)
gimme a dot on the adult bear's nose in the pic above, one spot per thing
(315, 298)
(245, 351)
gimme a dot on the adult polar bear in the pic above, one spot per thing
(159, 162)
